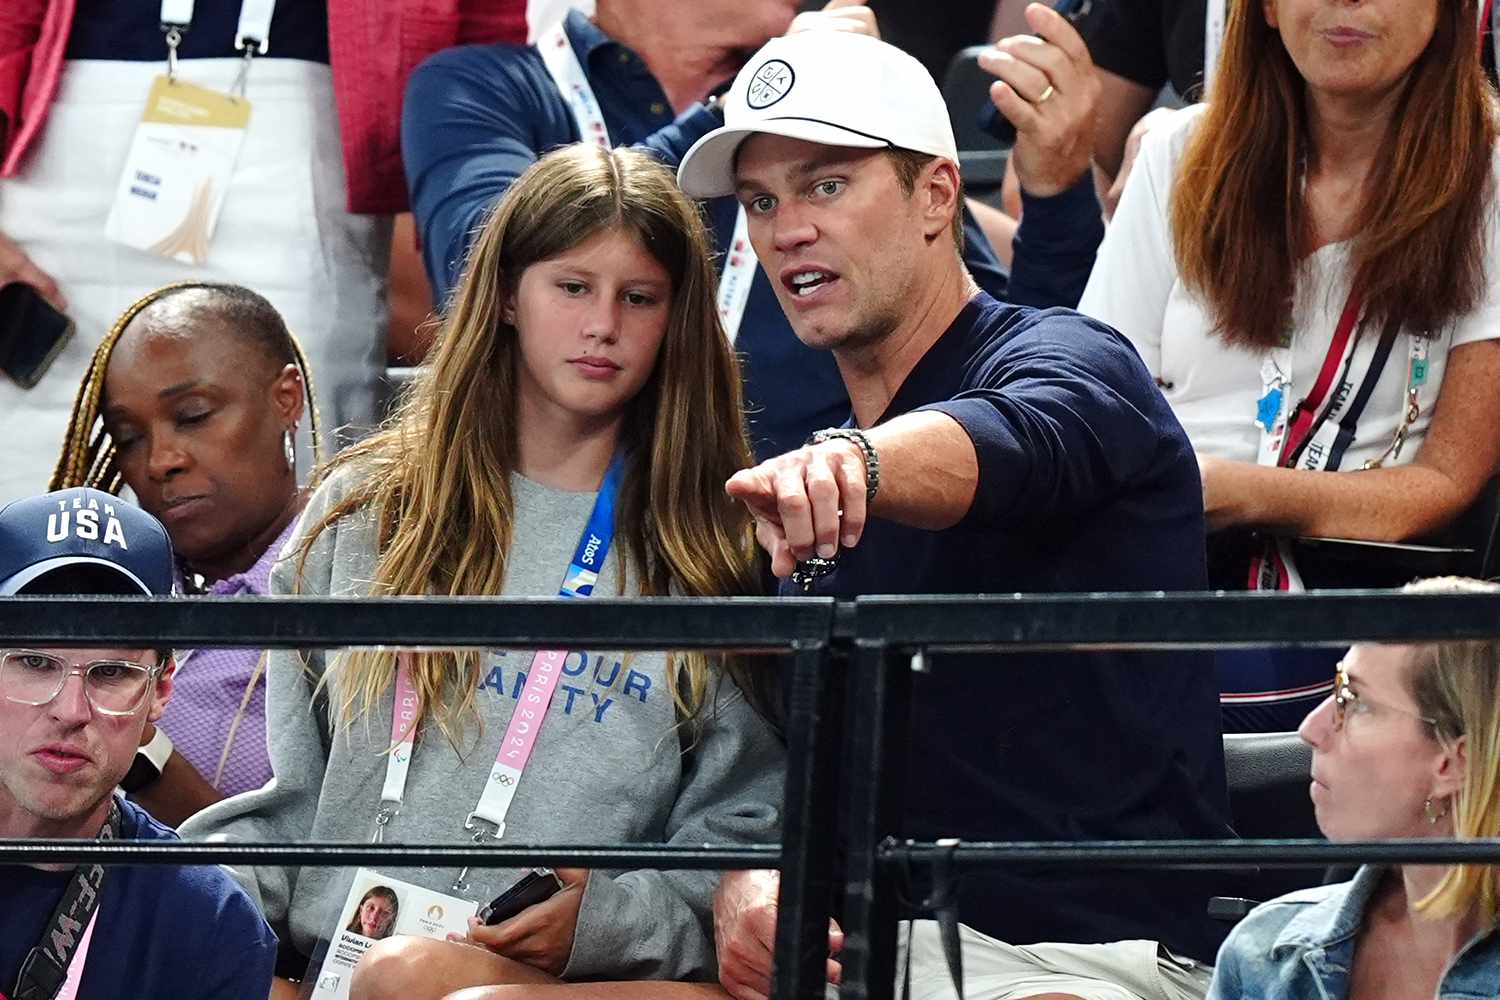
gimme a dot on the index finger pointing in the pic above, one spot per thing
(756, 488)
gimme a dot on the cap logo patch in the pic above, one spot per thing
(771, 83)
(81, 519)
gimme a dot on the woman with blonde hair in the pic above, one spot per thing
(1307, 264)
(576, 424)
(1407, 746)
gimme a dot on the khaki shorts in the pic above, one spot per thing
(994, 970)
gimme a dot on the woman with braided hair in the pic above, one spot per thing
(193, 401)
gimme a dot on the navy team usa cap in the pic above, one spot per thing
(115, 545)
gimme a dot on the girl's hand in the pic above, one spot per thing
(540, 936)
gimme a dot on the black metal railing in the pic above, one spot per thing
(845, 723)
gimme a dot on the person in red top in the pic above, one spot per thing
(317, 174)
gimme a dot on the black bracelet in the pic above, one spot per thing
(872, 459)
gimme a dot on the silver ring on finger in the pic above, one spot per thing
(1046, 95)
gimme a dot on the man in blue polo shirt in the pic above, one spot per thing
(641, 72)
(993, 449)
(70, 722)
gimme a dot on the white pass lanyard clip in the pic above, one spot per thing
(252, 37)
(556, 50)
(487, 821)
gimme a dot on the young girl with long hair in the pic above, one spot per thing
(581, 365)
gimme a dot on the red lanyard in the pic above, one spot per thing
(1302, 418)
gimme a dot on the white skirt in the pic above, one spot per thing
(284, 232)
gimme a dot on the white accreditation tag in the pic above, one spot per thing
(376, 908)
(178, 170)
(739, 274)
(182, 156)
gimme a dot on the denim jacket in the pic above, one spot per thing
(1301, 947)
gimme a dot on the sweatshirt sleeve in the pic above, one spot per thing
(1063, 422)
(297, 734)
(1054, 247)
(659, 925)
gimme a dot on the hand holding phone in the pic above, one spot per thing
(32, 333)
(535, 886)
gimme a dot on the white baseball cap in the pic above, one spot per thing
(838, 88)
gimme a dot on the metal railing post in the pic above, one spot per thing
(810, 825)
(875, 780)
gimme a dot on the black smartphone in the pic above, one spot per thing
(1001, 127)
(32, 333)
(534, 887)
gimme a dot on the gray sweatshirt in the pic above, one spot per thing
(608, 767)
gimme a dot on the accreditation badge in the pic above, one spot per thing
(376, 908)
(178, 170)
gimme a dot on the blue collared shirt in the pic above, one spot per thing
(1301, 947)
(475, 117)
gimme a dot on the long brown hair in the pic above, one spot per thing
(437, 477)
(1241, 227)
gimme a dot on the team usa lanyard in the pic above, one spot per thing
(54, 968)
(487, 821)
(1314, 436)
(567, 73)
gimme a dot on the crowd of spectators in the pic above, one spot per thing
(715, 316)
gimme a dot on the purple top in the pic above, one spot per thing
(210, 686)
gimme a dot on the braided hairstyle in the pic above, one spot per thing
(88, 454)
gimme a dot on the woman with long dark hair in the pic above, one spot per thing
(1307, 265)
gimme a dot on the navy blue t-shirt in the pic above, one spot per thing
(130, 30)
(1086, 483)
(162, 932)
(475, 117)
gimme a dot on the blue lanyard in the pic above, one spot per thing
(593, 546)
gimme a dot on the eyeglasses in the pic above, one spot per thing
(113, 687)
(1344, 699)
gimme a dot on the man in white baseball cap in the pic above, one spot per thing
(992, 449)
(852, 91)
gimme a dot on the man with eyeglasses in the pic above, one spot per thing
(70, 723)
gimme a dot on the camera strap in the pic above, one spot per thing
(54, 967)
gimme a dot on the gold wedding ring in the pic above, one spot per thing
(1046, 94)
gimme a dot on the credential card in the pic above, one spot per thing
(376, 908)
